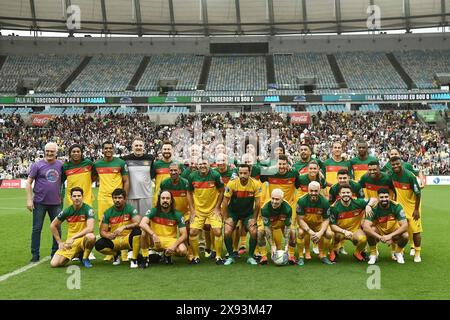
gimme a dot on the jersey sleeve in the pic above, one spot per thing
(362, 203)
(133, 212)
(362, 181)
(151, 213)
(332, 194)
(62, 215)
(106, 217)
(326, 211)
(258, 189)
(332, 214)
(399, 213)
(180, 220)
(300, 211)
(33, 171)
(90, 214)
(265, 213)
(218, 180)
(359, 191)
(190, 182)
(288, 220)
(229, 189)
(414, 184)
(123, 168)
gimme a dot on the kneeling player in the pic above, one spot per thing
(119, 229)
(80, 236)
(277, 216)
(313, 219)
(387, 224)
(241, 202)
(159, 228)
(346, 216)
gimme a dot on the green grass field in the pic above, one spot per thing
(345, 280)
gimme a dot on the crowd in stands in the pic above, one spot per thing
(424, 147)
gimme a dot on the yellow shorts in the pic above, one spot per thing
(414, 226)
(121, 243)
(77, 247)
(165, 242)
(201, 219)
(103, 205)
(260, 223)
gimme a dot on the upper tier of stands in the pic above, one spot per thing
(237, 73)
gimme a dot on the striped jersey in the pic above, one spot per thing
(288, 183)
(387, 218)
(205, 190)
(179, 192)
(165, 224)
(331, 168)
(350, 217)
(242, 198)
(79, 175)
(116, 218)
(110, 175)
(313, 211)
(406, 187)
(360, 166)
(371, 185)
(357, 191)
(76, 219)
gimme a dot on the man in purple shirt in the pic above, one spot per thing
(46, 175)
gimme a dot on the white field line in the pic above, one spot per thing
(23, 269)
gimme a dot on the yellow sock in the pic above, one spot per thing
(189, 255)
(263, 251)
(306, 242)
(361, 244)
(218, 244)
(213, 241)
(144, 252)
(324, 247)
(417, 251)
(277, 237)
(398, 249)
(373, 250)
(194, 244)
(291, 251)
(394, 247)
(300, 246)
(124, 255)
(257, 251)
(136, 246)
(108, 252)
(86, 253)
(207, 240)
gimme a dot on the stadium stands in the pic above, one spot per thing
(185, 68)
(106, 110)
(54, 110)
(290, 66)
(126, 110)
(421, 65)
(51, 70)
(158, 109)
(316, 108)
(368, 70)
(237, 73)
(369, 107)
(438, 107)
(284, 109)
(107, 73)
(74, 111)
(24, 111)
(179, 110)
(7, 111)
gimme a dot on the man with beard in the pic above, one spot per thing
(387, 224)
(344, 179)
(313, 219)
(409, 196)
(241, 203)
(160, 169)
(305, 158)
(160, 227)
(360, 163)
(332, 165)
(119, 229)
(346, 216)
(375, 180)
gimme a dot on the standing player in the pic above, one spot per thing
(387, 224)
(409, 196)
(78, 173)
(374, 180)
(80, 234)
(192, 167)
(305, 158)
(160, 169)
(346, 216)
(406, 165)
(288, 181)
(344, 179)
(178, 188)
(313, 219)
(112, 174)
(139, 168)
(119, 229)
(360, 163)
(335, 163)
(205, 197)
(277, 215)
(160, 227)
(241, 202)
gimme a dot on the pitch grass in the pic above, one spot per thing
(345, 280)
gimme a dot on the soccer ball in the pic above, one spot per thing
(280, 258)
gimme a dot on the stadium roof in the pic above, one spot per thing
(222, 17)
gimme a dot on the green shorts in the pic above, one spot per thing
(244, 219)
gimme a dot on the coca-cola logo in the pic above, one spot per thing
(41, 120)
(300, 118)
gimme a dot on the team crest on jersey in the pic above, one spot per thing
(182, 220)
(265, 220)
(227, 189)
(91, 213)
(125, 167)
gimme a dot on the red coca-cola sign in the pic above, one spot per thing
(40, 120)
(300, 118)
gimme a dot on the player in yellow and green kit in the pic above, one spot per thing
(387, 224)
(375, 180)
(160, 227)
(344, 179)
(360, 163)
(301, 166)
(160, 169)
(276, 215)
(409, 196)
(288, 181)
(313, 219)
(346, 216)
(80, 233)
(241, 203)
(78, 173)
(332, 165)
(119, 229)
(205, 198)
(179, 189)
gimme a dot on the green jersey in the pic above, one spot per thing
(313, 211)
(372, 185)
(357, 191)
(348, 217)
(331, 168)
(76, 218)
(276, 218)
(360, 166)
(406, 165)
(302, 167)
(116, 218)
(387, 218)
